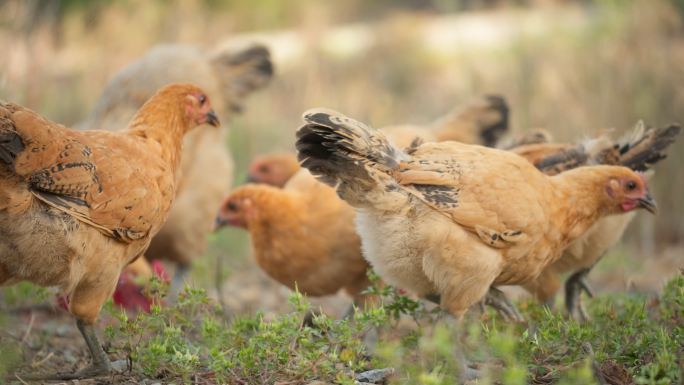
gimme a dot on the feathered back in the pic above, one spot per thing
(333, 146)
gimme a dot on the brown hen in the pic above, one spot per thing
(78, 206)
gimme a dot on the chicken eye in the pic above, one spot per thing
(231, 206)
(631, 185)
(264, 168)
(202, 99)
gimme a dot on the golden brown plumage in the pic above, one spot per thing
(77, 206)
(302, 235)
(455, 219)
(640, 151)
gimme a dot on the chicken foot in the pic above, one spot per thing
(100, 362)
(574, 286)
(497, 299)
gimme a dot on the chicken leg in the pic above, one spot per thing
(85, 304)
(497, 299)
(100, 364)
(574, 286)
(465, 372)
(494, 298)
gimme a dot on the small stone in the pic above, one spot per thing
(120, 366)
(375, 376)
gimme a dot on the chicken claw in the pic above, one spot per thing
(498, 300)
(494, 298)
(101, 365)
(574, 286)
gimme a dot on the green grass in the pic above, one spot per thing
(634, 337)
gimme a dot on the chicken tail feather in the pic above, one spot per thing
(646, 146)
(333, 146)
(492, 131)
(639, 150)
(484, 121)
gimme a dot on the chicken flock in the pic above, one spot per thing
(448, 211)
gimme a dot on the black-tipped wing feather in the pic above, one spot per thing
(639, 151)
(333, 146)
(644, 150)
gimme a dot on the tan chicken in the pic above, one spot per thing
(206, 172)
(78, 206)
(302, 235)
(639, 151)
(483, 121)
(456, 219)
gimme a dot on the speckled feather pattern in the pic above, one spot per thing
(113, 182)
(77, 206)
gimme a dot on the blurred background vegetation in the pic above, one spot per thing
(572, 67)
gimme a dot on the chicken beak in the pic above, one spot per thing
(218, 223)
(648, 203)
(212, 119)
(251, 178)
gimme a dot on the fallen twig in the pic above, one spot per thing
(28, 329)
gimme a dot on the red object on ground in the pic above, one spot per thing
(130, 295)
